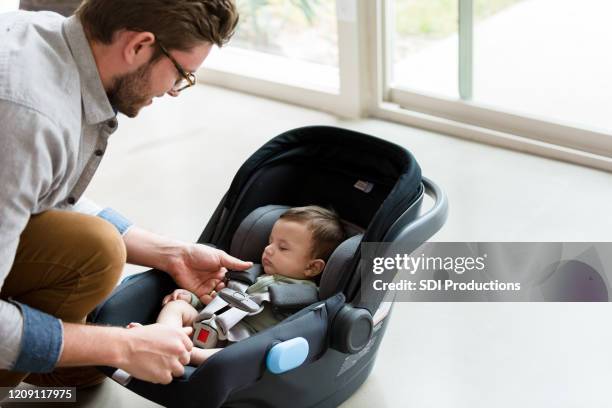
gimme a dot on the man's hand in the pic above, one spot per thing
(195, 267)
(201, 269)
(156, 353)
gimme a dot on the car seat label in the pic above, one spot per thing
(364, 186)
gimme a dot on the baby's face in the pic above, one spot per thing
(289, 250)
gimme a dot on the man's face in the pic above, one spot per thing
(132, 91)
(289, 250)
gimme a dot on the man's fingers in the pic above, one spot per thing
(207, 287)
(188, 331)
(166, 378)
(186, 338)
(177, 369)
(220, 286)
(234, 263)
(206, 299)
(218, 275)
(185, 357)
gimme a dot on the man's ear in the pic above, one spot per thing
(138, 47)
(314, 268)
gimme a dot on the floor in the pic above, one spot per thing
(168, 169)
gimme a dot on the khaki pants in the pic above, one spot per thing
(66, 264)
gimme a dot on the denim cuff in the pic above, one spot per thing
(41, 342)
(119, 221)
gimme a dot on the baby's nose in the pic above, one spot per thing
(268, 250)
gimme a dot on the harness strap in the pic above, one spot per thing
(225, 324)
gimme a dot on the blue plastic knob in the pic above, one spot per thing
(287, 355)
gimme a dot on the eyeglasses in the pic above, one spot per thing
(187, 79)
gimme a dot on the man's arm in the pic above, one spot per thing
(154, 353)
(29, 141)
(11, 327)
(149, 249)
(195, 267)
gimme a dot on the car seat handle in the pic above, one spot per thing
(404, 241)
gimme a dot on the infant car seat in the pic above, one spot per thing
(377, 188)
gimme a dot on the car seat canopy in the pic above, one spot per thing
(368, 181)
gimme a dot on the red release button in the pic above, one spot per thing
(203, 336)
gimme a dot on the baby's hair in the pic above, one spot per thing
(325, 225)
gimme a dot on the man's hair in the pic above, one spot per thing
(325, 226)
(177, 24)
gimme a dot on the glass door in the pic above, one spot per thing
(534, 68)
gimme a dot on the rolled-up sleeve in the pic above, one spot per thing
(87, 206)
(41, 341)
(119, 221)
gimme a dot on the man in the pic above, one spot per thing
(62, 82)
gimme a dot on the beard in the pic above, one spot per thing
(128, 92)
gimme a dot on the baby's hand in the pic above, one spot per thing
(178, 294)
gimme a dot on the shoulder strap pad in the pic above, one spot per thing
(249, 276)
(293, 296)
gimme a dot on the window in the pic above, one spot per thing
(425, 46)
(547, 59)
(533, 69)
(288, 41)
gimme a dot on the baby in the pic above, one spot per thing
(300, 243)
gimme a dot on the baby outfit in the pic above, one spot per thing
(268, 315)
